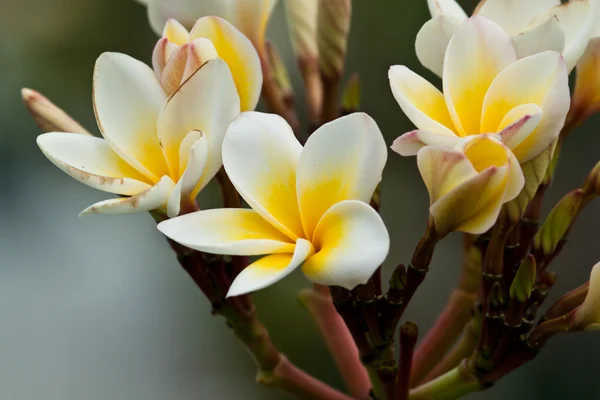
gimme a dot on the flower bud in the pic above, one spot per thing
(469, 184)
(302, 22)
(521, 287)
(280, 73)
(586, 96)
(587, 316)
(351, 95)
(592, 183)
(47, 116)
(333, 28)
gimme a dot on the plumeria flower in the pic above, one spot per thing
(179, 53)
(535, 26)
(468, 184)
(309, 205)
(486, 90)
(249, 16)
(157, 152)
(587, 316)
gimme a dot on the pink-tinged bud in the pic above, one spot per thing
(47, 116)
(186, 60)
(333, 28)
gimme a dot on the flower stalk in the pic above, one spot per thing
(409, 333)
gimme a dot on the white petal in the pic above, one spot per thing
(547, 36)
(91, 161)
(153, 198)
(477, 52)
(516, 179)
(540, 79)
(587, 316)
(185, 11)
(514, 15)
(422, 102)
(175, 32)
(227, 231)
(351, 241)
(251, 17)
(270, 269)
(239, 54)
(127, 101)
(518, 124)
(260, 155)
(447, 7)
(192, 160)
(207, 102)
(410, 143)
(432, 42)
(342, 160)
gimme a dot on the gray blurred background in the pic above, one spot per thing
(97, 307)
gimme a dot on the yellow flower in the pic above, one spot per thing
(309, 205)
(534, 25)
(157, 152)
(487, 90)
(469, 183)
(179, 53)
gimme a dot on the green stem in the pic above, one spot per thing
(452, 385)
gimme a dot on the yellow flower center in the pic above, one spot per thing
(485, 152)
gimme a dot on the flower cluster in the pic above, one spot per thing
(485, 145)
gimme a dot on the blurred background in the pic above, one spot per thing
(98, 308)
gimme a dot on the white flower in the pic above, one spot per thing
(158, 152)
(535, 26)
(309, 205)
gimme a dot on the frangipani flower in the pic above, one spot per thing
(249, 16)
(468, 184)
(587, 316)
(179, 53)
(159, 152)
(309, 205)
(487, 89)
(535, 26)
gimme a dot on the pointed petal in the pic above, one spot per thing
(160, 57)
(587, 316)
(239, 54)
(127, 101)
(192, 160)
(90, 160)
(270, 269)
(175, 32)
(342, 160)
(260, 155)
(546, 36)
(477, 52)
(514, 15)
(351, 241)
(410, 143)
(207, 102)
(518, 124)
(422, 102)
(227, 231)
(540, 79)
(153, 198)
(432, 42)
(172, 73)
(185, 11)
(447, 7)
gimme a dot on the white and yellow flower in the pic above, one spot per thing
(179, 53)
(468, 184)
(587, 316)
(249, 16)
(309, 205)
(157, 152)
(486, 90)
(535, 26)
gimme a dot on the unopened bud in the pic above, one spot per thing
(351, 95)
(586, 96)
(302, 21)
(47, 116)
(280, 74)
(587, 316)
(522, 285)
(592, 183)
(333, 28)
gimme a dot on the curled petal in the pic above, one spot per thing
(447, 7)
(432, 42)
(476, 54)
(206, 102)
(547, 36)
(270, 269)
(514, 15)
(239, 54)
(342, 160)
(227, 231)
(154, 198)
(410, 143)
(518, 124)
(127, 101)
(175, 32)
(422, 102)
(91, 161)
(351, 242)
(540, 79)
(260, 155)
(587, 316)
